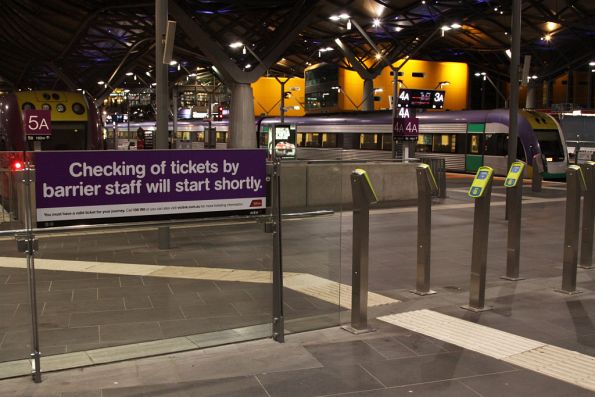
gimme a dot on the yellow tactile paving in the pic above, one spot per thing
(565, 365)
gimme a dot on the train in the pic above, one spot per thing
(74, 121)
(465, 139)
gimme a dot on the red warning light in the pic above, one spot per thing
(17, 166)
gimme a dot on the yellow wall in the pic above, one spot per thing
(267, 95)
(434, 72)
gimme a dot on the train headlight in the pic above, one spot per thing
(78, 108)
(549, 159)
(61, 108)
(46, 106)
(28, 106)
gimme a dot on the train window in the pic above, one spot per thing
(313, 139)
(387, 142)
(474, 143)
(495, 145)
(424, 143)
(550, 144)
(300, 140)
(368, 141)
(221, 137)
(329, 140)
(201, 136)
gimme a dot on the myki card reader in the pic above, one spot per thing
(515, 174)
(480, 182)
(581, 176)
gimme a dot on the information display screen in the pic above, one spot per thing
(515, 168)
(421, 99)
(482, 175)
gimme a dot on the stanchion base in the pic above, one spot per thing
(477, 309)
(586, 267)
(356, 331)
(575, 292)
(422, 293)
(512, 278)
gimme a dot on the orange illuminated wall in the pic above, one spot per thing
(267, 96)
(433, 73)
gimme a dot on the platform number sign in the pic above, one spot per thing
(421, 99)
(37, 124)
(405, 126)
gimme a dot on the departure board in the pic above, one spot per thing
(421, 99)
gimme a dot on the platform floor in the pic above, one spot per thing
(401, 358)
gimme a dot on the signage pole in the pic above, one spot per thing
(278, 319)
(514, 229)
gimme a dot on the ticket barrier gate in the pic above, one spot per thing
(480, 191)
(364, 195)
(575, 182)
(586, 251)
(514, 187)
(539, 165)
(426, 188)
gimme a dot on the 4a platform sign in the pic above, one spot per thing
(37, 124)
(405, 126)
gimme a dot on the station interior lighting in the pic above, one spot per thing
(376, 22)
(129, 74)
(398, 28)
(101, 82)
(236, 44)
(442, 84)
(592, 63)
(547, 37)
(173, 62)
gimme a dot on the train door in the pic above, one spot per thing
(474, 155)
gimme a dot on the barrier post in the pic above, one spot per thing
(538, 170)
(426, 187)
(574, 182)
(481, 191)
(363, 196)
(514, 184)
(586, 257)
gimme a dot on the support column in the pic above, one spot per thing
(241, 120)
(570, 87)
(531, 96)
(368, 95)
(161, 90)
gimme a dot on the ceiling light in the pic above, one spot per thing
(398, 28)
(101, 82)
(592, 63)
(344, 16)
(129, 74)
(445, 28)
(334, 17)
(455, 25)
(378, 56)
(173, 62)
(236, 44)
(248, 66)
(509, 53)
(376, 22)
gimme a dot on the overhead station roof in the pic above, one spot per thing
(76, 44)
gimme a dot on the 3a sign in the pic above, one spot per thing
(37, 124)
(421, 99)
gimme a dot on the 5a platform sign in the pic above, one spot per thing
(37, 124)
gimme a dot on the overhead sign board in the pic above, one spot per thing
(37, 124)
(405, 129)
(421, 99)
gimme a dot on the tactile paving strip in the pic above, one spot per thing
(308, 284)
(565, 365)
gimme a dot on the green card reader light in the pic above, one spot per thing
(515, 174)
(480, 182)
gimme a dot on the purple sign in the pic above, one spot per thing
(405, 129)
(95, 184)
(37, 123)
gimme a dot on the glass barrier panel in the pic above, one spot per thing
(15, 307)
(312, 245)
(103, 289)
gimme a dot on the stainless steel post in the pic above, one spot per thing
(586, 257)
(513, 251)
(424, 230)
(479, 253)
(571, 230)
(538, 170)
(278, 319)
(161, 98)
(360, 246)
(27, 244)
